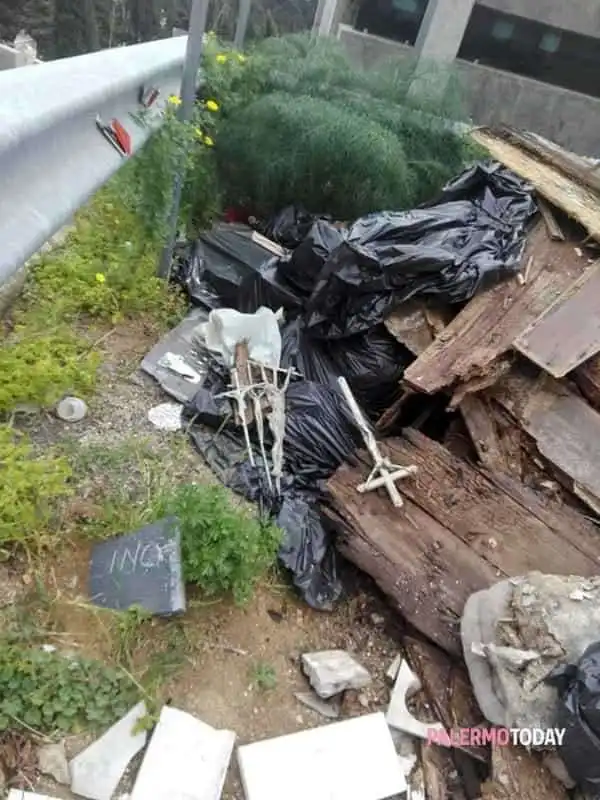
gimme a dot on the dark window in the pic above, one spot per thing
(531, 48)
(394, 19)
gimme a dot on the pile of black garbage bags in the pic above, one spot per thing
(336, 284)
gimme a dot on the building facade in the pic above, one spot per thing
(531, 63)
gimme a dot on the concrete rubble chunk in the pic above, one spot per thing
(52, 761)
(392, 671)
(398, 715)
(333, 671)
(186, 760)
(96, 772)
(350, 760)
(330, 709)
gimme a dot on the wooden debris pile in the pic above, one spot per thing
(514, 484)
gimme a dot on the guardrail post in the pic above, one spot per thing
(191, 65)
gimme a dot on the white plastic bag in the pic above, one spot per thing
(226, 328)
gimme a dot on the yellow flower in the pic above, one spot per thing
(221, 58)
(241, 58)
(100, 277)
(208, 141)
(212, 105)
(199, 133)
(174, 100)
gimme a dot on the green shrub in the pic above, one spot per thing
(304, 150)
(224, 549)
(30, 486)
(54, 694)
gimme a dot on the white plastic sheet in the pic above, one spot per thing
(226, 328)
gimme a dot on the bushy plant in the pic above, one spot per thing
(54, 694)
(30, 486)
(225, 550)
(300, 124)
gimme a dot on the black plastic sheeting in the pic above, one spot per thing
(336, 287)
(472, 238)
(319, 437)
(579, 714)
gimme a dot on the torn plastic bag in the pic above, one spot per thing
(290, 226)
(373, 363)
(579, 714)
(303, 267)
(449, 250)
(269, 288)
(226, 328)
(307, 549)
(214, 267)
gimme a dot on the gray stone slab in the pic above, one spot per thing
(141, 568)
(52, 761)
(96, 772)
(333, 671)
(186, 760)
(350, 760)
(180, 342)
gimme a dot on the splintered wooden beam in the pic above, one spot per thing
(462, 529)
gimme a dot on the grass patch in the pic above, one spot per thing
(263, 676)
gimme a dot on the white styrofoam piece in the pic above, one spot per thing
(21, 794)
(350, 760)
(166, 416)
(186, 760)
(96, 772)
(226, 327)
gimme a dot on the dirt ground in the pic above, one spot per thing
(235, 668)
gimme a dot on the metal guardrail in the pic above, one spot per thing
(52, 156)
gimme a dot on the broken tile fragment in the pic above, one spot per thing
(186, 760)
(398, 714)
(350, 760)
(52, 761)
(392, 671)
(333, 671)
(96, 772)
(329, 709)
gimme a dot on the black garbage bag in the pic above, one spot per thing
(579, 714)
(319, 436)
(303, 267)
(290, 226)
(373, 363)
(469, 240)
(213, 268)
(269, 288)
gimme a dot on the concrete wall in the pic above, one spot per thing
(492, 96)
(580, 16)
(11, 57)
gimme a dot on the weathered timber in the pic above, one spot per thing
(487, 327)
(568, 333)
(481, 424)
(587, 378)
(409, 326)
(555, 232)
(517, 773)
(462, 529)
(577, 200)
(565, 428)
(447, 688)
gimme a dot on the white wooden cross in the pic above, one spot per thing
(384, 473)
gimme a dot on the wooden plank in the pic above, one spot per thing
(517, 773)
(554, 230)
(587, 378)
(461, 529)
(573, 197)
(410, 327)
(565, 428)
(486, 328)
(479, 419)
(568, 333)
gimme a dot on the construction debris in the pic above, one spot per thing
(355, 758)
(398, 715)
(96, 772)
(52, 761)
(185, 758)
(331, 672)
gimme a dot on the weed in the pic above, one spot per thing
(51, 693)
(224, 549)
(128, 625)
(30, 487)
(263, 676)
